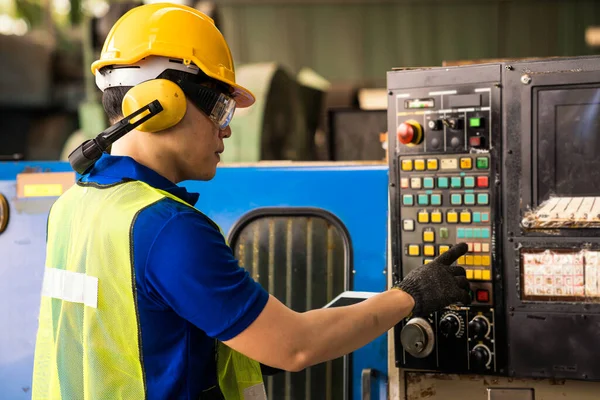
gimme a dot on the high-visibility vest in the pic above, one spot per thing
(89, 342)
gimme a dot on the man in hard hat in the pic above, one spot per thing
(142, 297)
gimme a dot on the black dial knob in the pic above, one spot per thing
(450, 325)
(478, 327)
(480, 357)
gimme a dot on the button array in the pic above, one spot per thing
(479, 274)
(474, 260)
(432, 164)
(429, 250)
(473, 233)
(444, 182)
(463, 190)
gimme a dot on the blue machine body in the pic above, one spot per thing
(356, 194)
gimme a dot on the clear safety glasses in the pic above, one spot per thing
(218, 106)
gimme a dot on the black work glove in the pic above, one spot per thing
(437, 285)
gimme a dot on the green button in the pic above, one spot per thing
(469, 181)
(476, 217)
(456, 199)
(444, 233)
(407, 200)
(455, 182)
(485, 233)
(483, 199)
(477, 233)
(443, 182)
(423, 199)
(468, 233)
(482, 163)
(469, 199)
(460, 233)
(428, 183)
(475, 122)
(436, 200)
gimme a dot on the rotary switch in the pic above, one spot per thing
(451, 325)
(480, 357)
(410, 133)
(479, 327)
(417, 338)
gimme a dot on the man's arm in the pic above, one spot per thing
(292, 341)
(191, 270)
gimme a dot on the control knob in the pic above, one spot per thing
(450, 325)
(479, 327)
(434, 124)
(410, 133)
(480, 357)
(417, 338)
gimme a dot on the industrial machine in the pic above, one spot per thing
(444, 167)
(504, 157)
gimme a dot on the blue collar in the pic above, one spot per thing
(112, 169)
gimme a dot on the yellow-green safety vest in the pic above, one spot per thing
(88, 342)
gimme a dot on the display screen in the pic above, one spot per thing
(568, 143)
(560, 275)
(419, 103)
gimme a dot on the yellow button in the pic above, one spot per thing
(465, 217)
(407, 165)
(428, 236)
(423, 217)
(477, 260)
(427, 261)
(461, 260)
(485, 260)
(477, 274)
(419, 165)
(486, 275)
(429, 250)
(414, 250)
(469, 273)
(468, 260)
(444, 249)
(432, 164)
(465, 163)
(452, 217)
(436, 217)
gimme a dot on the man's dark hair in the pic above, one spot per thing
(112, 98)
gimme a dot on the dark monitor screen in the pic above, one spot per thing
(568, 142)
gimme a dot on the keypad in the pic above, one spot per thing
(446, 200)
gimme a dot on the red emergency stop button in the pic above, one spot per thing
(410, 133)
(483, 296)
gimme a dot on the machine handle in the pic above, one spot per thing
(368, 376)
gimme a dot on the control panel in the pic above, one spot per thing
(444, 147)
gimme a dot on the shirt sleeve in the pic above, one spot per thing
(192, 269)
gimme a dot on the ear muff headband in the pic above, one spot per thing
(170, 96)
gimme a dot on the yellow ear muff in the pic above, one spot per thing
(171, 98)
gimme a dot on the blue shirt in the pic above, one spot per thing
(190, 288)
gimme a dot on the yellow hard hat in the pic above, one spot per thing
(172, 31)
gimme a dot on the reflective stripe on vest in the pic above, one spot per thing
(88, 341)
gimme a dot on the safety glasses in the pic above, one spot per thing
(218, 106)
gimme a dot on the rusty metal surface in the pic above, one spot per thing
(433, 386)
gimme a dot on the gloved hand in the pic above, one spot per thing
(436, 285)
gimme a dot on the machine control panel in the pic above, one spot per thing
(443, 159)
